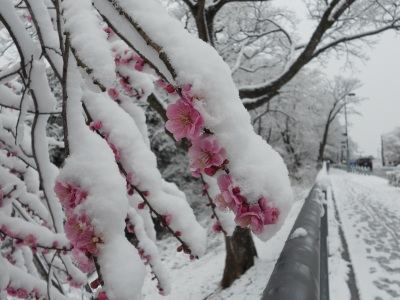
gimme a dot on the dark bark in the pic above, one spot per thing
(240, 253)
(286, 138)
(322, 144)
(267, 92)
(336, 108)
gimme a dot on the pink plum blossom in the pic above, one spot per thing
(220, 202)
(211, 170)
(167, 219)
(253, 218)
(117, 154)
(30, 240)
(186, 94)
(205, 152)
(170, 88)
(94, 243)
(139, 64)
(79, 230)
(117, 59)
(84, 260)
(124, 81)
(22, 294)
(97, 125)
(271, 214)
(161, 83)
(113, 93)
(231, 195)
(129, 177)
(217, 227)
(183, 120)
(109, 31)
(102, 296)
(70, 196)
(11, 291)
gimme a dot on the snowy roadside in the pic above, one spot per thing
(369, 210)
(199, 279)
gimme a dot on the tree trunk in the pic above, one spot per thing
(322, 144)
(240, 253)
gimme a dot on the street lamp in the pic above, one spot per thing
(347, 134)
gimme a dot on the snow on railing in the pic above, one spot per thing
(301, 271)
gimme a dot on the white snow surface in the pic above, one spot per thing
(369, 210)
(199, 279)
(376, 271)
(91, 43)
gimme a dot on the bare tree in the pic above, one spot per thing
(391, 142)
(340, 25)
(336, 96)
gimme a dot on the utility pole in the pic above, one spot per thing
(382, 152)
(347, 133)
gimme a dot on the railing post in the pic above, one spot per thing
(296, 273)
(324, 253)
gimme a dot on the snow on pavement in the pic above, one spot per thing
(369, 210)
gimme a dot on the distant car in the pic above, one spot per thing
(364, 162)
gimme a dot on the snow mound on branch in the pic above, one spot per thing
(91, 43)
(255, 166)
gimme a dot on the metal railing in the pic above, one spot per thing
(301, 272)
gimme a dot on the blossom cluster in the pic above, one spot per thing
(29, 240)
(209, 157)
(22, 293)
(129, 59)
(78, 227)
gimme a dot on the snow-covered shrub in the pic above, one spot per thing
(394, 177)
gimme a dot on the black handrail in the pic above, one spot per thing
(324, 269)
(296, 275)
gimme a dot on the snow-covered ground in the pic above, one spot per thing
(200, 279)
(368, 212)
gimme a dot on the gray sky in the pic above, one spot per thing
(381, 85)
(380, 76)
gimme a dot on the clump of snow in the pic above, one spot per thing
(89, 40)
(91, 166)
(137, 159)
(299, 232)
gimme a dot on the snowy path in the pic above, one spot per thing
(369, 210)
